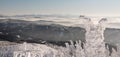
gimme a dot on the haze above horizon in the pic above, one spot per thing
(65, 7)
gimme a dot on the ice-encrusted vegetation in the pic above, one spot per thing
(32, 50)
(93, 47)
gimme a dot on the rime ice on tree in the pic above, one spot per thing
(94, 38)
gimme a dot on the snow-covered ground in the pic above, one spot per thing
(94, 46)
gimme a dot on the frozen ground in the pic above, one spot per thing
(94, 46)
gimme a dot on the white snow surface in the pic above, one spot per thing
(94, 46)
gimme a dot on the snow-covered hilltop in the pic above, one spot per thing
(53, 35)
(93, 47)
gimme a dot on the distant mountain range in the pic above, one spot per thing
(42, 16)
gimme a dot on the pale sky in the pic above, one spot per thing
(71, 7)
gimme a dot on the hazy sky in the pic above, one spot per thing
(72, 7)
